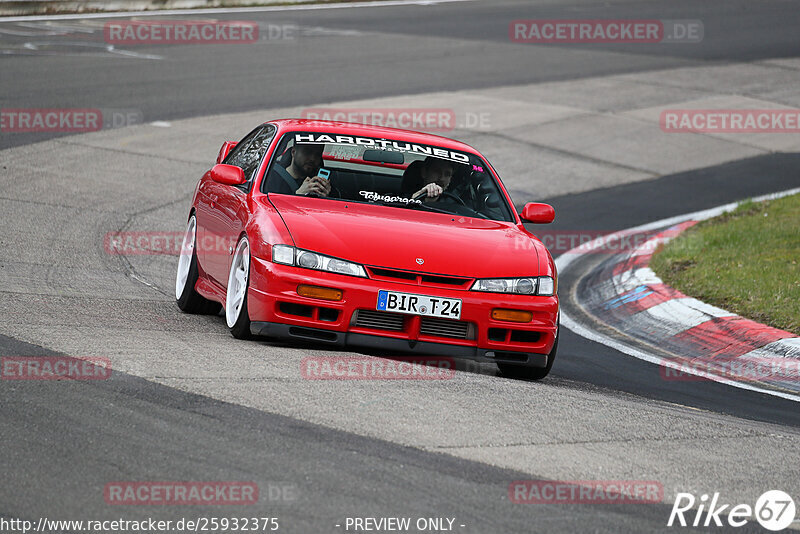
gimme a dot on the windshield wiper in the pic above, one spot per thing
(431, 208)
(414, 205)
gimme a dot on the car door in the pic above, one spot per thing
(229, 212)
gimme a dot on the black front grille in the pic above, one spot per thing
(443, 280)
(420, 279)
(379, 320)
(389, 273)
(432, 326)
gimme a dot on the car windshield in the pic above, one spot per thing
(388, 172)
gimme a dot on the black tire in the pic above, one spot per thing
(190, 301)
(241, 330)
(526, 372)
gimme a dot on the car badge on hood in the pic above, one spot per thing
(420, 261)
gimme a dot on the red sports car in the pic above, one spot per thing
(356, 235)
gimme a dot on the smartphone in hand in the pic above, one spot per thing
(324, 173)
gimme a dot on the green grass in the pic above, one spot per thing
(746, 261)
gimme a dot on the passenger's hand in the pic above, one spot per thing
(432, 190)
(315, 186)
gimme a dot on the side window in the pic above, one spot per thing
(249, 152)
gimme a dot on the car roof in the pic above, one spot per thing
(353, 128)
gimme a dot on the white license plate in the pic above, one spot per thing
(410, 303)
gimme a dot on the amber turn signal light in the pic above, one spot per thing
(317, 292)
(516, 316)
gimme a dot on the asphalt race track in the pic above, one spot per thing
(575, 125)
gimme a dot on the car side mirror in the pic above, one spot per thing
(226, 148)
(228, 174)
(538, 213)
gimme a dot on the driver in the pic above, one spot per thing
(436, 174)
(300, 176)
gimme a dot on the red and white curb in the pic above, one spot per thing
(708, 342)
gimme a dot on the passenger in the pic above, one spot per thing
(300, 176)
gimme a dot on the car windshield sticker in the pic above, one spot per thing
(344, 152)
(372, 195)
(383, 144)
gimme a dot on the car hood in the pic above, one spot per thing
(401, 238)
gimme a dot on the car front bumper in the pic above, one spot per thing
(277, 310)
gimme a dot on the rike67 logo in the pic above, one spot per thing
(774, 510)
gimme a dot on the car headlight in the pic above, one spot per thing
(542, 285)
(312, 260)
(283, 254)
(546, 286)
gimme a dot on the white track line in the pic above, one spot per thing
(228, 10)
(563, 261)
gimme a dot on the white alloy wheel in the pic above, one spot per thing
(185, 259)
(237, 282)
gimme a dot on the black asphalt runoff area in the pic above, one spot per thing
(307, 475)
